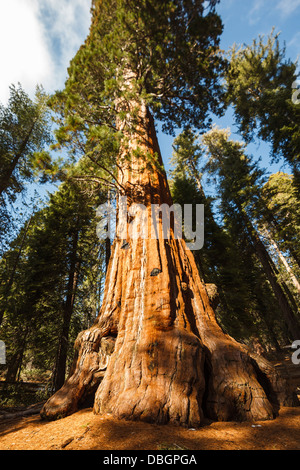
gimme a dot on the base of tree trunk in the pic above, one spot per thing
(156, 352)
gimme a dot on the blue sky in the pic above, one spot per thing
(243, 21)
(38, 38)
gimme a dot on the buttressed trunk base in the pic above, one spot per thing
(156, 352)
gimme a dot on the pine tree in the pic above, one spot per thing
(239, 181)
(260, 83)
(24, 134)
(281, 211)
(46, 271)
(246, 306)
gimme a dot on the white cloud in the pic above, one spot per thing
(262, 8)
(38, 38)
(23, 55)
(67, 23)
(256, 11)
(286, 8)
(295, 41)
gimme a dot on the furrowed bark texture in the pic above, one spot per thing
(156, 352)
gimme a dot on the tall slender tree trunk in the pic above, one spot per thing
(264, 317)
(272, 222)
(287, 311)
(156, 352)
(274, 245)
(14, 269)
(61, 360)
(16, 360)
(290, 319)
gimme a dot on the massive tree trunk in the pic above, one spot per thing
(156, 352)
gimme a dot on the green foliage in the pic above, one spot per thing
(24, 130)
(162, 54)
(41, 259)
(238, 176)
(15, 396)
(259, 84)
(247, 309)
(187, 153)
(281, 209)
(25, 136)
(239, 182)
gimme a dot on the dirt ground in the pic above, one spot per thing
(86, 431)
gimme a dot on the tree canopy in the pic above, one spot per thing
(259, 84)
(171, 52)
(25, 131)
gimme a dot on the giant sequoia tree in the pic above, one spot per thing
(156, 352)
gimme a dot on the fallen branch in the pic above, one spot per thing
(31, 410)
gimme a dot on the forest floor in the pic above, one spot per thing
(86, 431)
